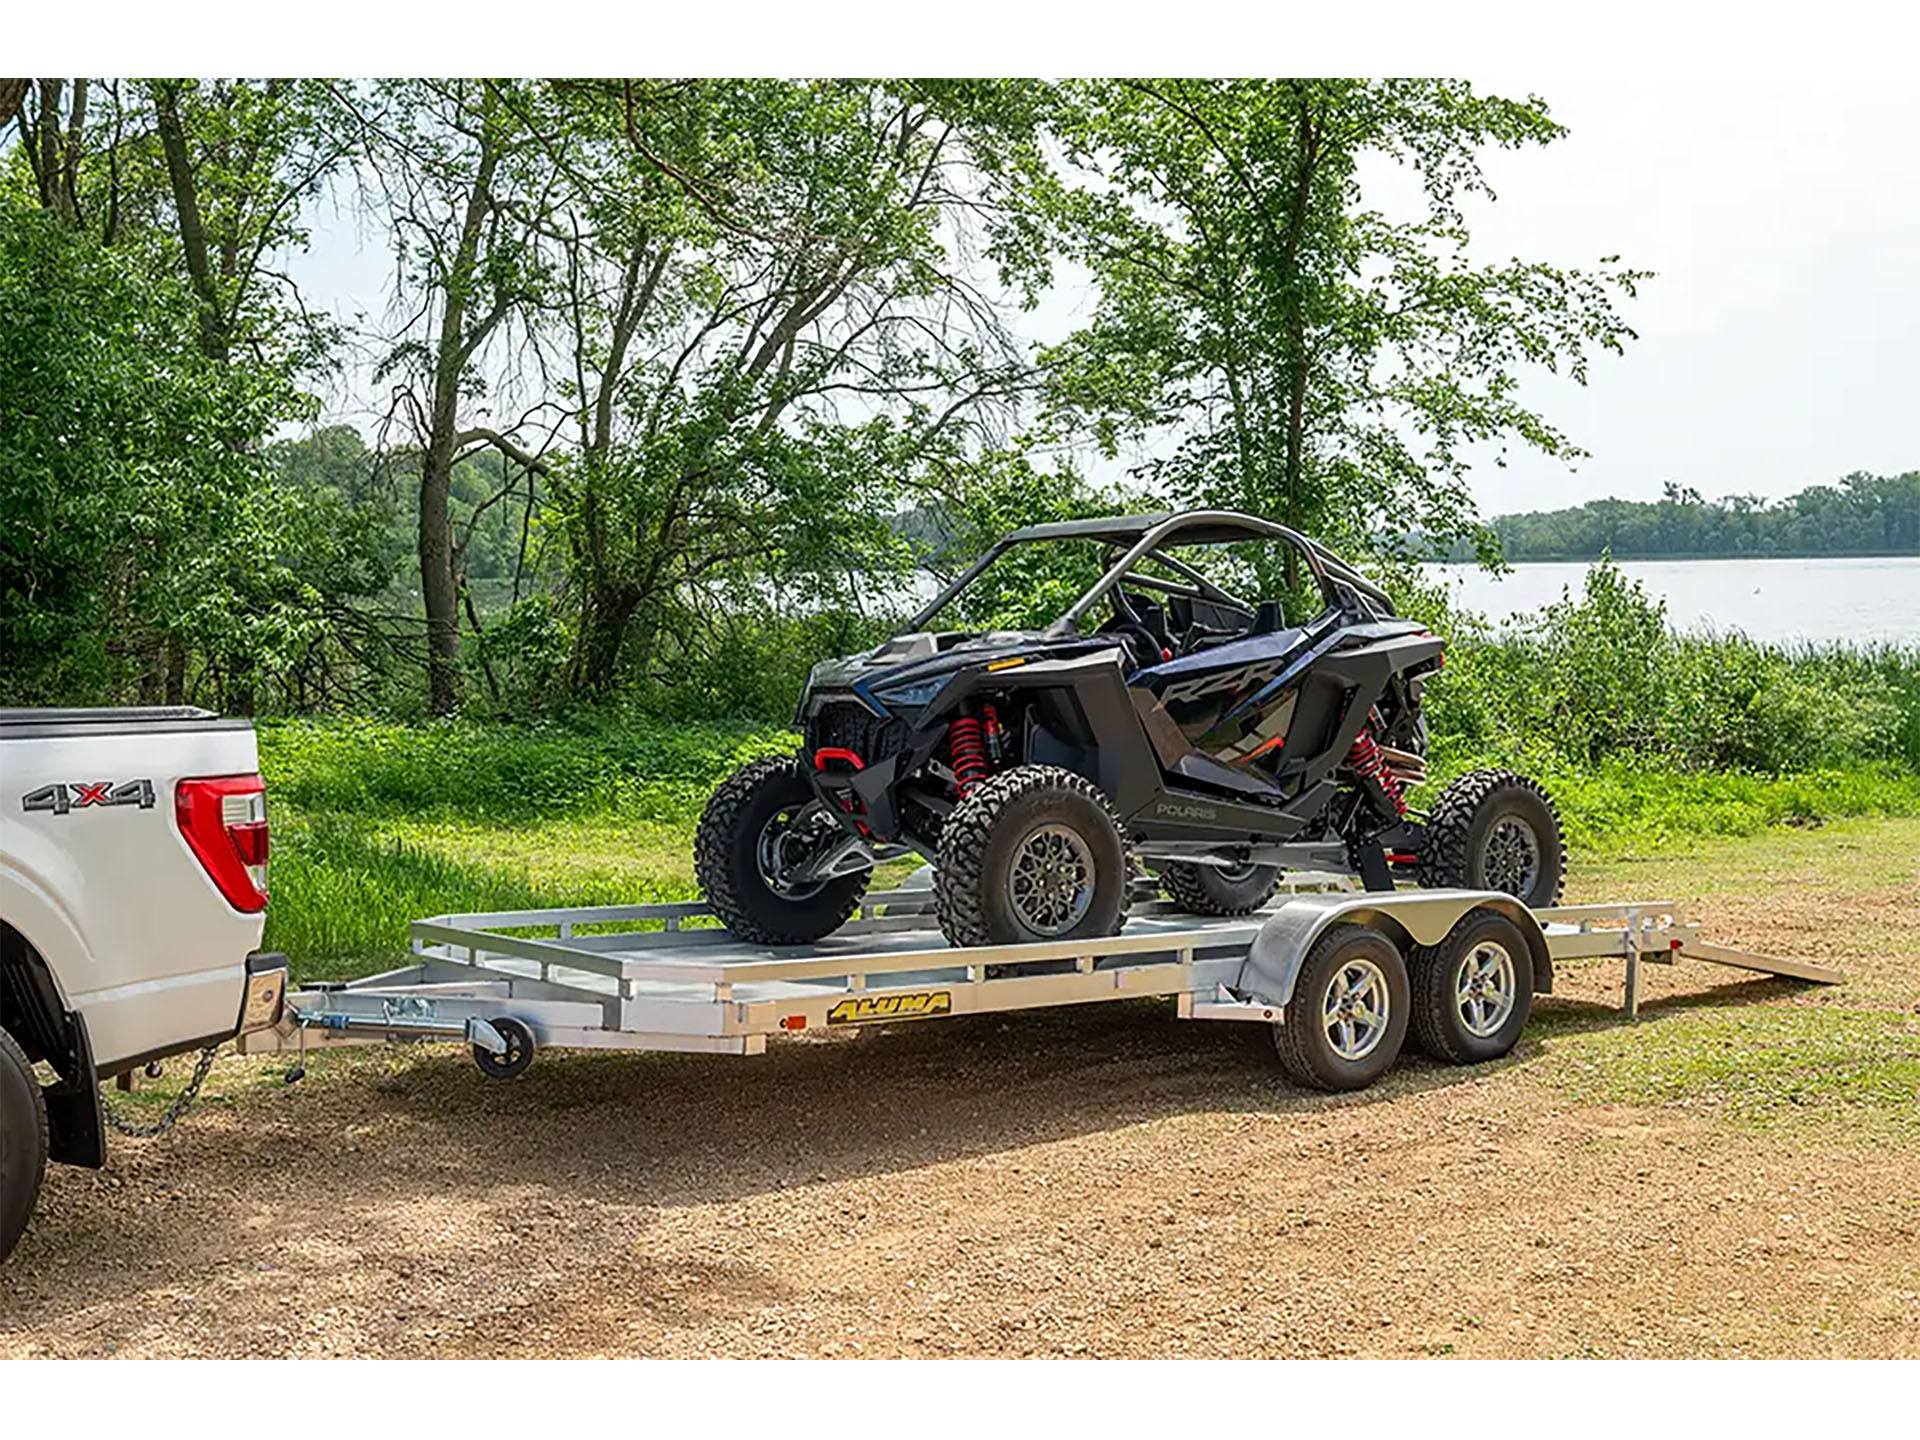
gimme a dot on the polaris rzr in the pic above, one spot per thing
(1162, 721)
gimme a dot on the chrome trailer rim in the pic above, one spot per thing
(1356, 1009)
(1485, 990)
(1050, 880)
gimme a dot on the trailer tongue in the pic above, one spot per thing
(1341, 977)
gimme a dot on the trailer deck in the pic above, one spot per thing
(666, 978)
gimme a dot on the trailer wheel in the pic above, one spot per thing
(1034, 853)
(1495, 830)
(519, 1056)
(1216, 890)
(23, 1142)
(1473, 992)
(1348, 1016)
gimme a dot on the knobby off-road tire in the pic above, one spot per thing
(1342, 957)
(1210, 890)
(1473, 992)
(726, 860)
(23, 1143)
(1475, 828)
(1045, 818)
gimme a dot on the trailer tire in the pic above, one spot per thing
(1212, 890)
(727, 860)
(519, 1057)
(1461, 1019)
(1039, 819)
(23, 1142)
(1482, 814)
(1325, 1049)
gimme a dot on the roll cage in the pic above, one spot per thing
(1144, 537)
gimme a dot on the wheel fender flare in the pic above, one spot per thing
(1409, 918)
(45, 924)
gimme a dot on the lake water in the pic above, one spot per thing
(1857, 601)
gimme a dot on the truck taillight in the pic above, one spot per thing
(224, 820)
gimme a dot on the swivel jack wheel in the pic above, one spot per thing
(516, 1059)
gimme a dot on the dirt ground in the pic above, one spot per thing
(1101, 1182)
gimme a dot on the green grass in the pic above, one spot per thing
(1626, 808)
(1765, 1055)
(507, 775)
(379, 824)
(344, 891)
(1761, 1066)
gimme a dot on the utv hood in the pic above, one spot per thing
(918, 662)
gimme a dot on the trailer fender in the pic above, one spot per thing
(1408, 917)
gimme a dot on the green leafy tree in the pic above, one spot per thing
(1316, 359)
(1863, 515)
(772, 332)
(191, 191)
(131, 500)
(464, 191)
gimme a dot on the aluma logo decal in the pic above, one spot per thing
(871, 1009)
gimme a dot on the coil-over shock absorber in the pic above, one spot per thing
(1366, 759)
(973, 748)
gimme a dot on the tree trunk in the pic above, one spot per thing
(214, 341)
(603, 635)
(176, 672)
(439, 586)
(1294, 294)
(153, 668)
(52, 143)
(438, 591)
(13, 94)
(1294, 517)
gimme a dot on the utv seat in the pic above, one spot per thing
(1197, 634)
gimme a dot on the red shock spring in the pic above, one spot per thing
(1367, 761)
(966, 744)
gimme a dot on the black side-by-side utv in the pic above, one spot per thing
(1161, 721)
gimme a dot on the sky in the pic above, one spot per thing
(1778, 338)
(1780, 213)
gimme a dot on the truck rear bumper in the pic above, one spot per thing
(132, 1024)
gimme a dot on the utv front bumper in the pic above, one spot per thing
(857, 759)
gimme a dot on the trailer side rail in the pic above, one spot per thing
(599, 981)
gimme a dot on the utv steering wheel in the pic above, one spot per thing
(1143, 647)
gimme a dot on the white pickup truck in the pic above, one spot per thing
(133, 895)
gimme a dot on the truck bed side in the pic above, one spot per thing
(97, 877)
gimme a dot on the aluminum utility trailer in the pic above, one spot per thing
(642, 977)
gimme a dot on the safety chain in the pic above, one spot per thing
(181, 1103)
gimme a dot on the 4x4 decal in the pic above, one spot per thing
(87, 795)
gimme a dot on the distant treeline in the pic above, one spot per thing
(1862, 515)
